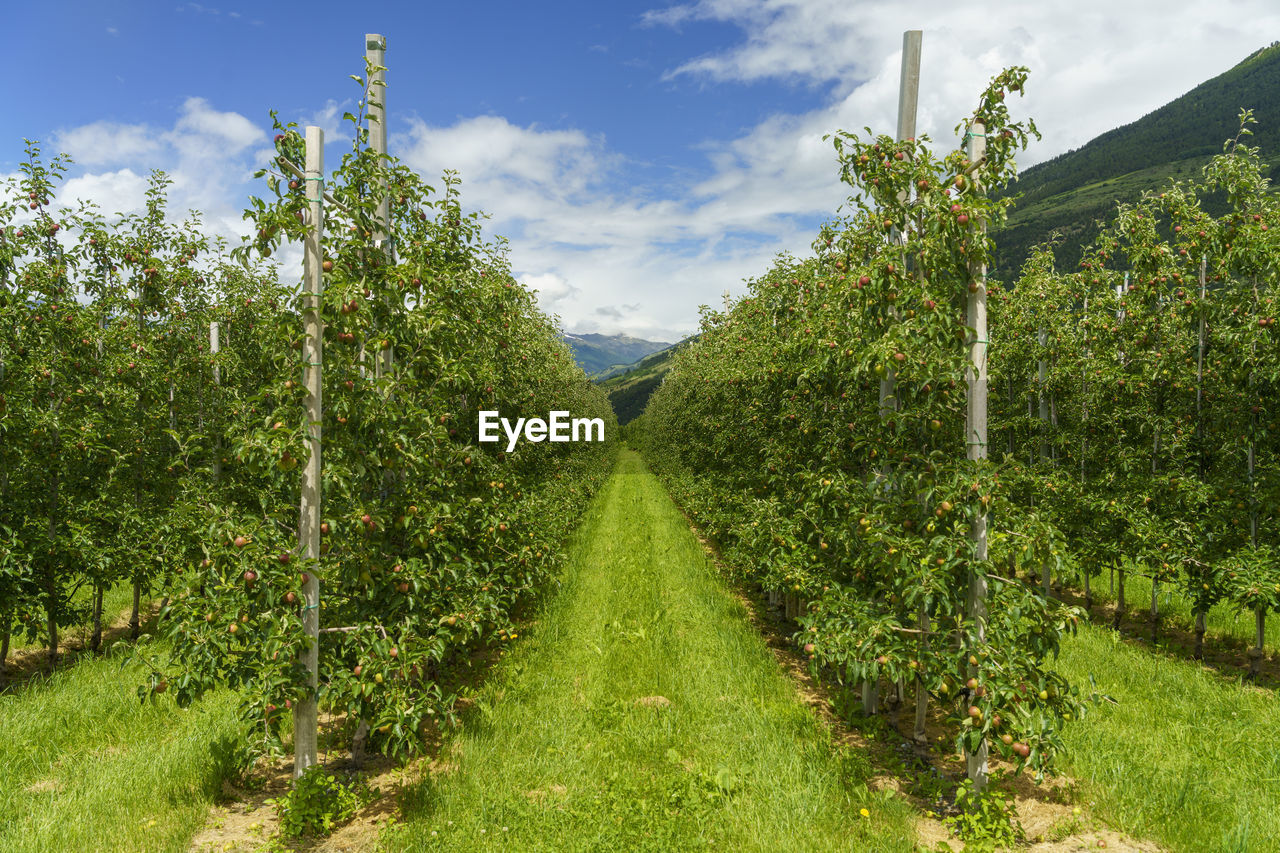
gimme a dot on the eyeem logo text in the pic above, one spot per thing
(558, 427)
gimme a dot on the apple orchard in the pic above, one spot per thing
(157, 392)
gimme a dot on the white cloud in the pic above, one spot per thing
(105, 143)
(602, 257)
(562, 162)
(201, 128)
(208, 154)
(1093, 64)
(120, 192)
(608, 249)
(551, 288)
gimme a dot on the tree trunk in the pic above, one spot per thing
(358, 741)
(52, 618)
(134, 624)
(1088, 594)
(1198, 654)
(1256, 653)
(4, 657)
(870, 697)
(1155, 610)
(95, 642)
(922, 692)
(1115, 623)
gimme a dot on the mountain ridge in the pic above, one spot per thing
(1070, 192)
(596, 353)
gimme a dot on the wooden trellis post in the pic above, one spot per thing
(375, 54)
(305, 711)
(1117, 572)
(908, 97)
(215, 346)
(1198, 653)
(1042, 375)
(1084, 433)
(976, 438)
(1260, 614)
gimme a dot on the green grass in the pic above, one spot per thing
(116, 600)
(559, 754)
(1187, 757)
(1223, 620)
(87, 767)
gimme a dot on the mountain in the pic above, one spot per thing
(1073, 190)
(630, 389)
(599, 353)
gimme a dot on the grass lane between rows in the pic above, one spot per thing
(87, 767)
(1184, 755)
(644, 712)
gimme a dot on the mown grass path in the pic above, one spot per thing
(643, 712)
(1183, 755)
(85, 766)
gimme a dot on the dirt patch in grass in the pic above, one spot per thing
(1053, 816)
(248, 822)
(245, 821)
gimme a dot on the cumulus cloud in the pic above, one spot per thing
(561, 162)
(1094, 65)
(120, 192)
(201, 130)
(587, 239)
(551, 289)
(207, 153)
(107, 143)
(610, 249)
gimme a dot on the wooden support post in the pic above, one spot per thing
(1084, 440)
(976, 439)
(375, 54)
(305, 711)
(1204, 264)
(1117, 573)
(215, 346)
(908, 98)
(1042, 376)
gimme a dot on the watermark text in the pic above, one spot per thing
(558, 426)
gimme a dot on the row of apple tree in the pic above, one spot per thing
(132, 452)
(1136, 395)
(819, 430)
(110, 403)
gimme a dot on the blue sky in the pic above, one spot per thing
(641, 157)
